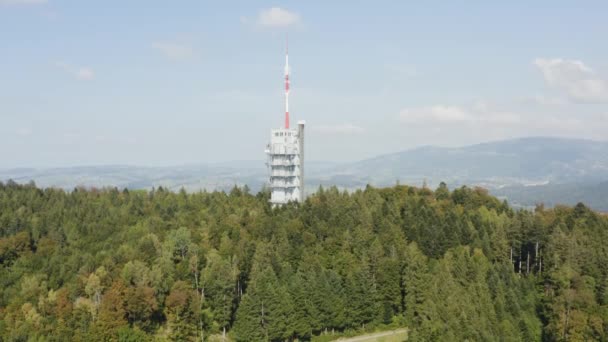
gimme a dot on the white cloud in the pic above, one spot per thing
(85, 74)
(24, 132)
(174, 51)
(346, 128)
(574, 78)
(81, 73)
(477, 113)
(440, 113)
(22, 2)
(542, 100)
(277, 17)
(474, 122)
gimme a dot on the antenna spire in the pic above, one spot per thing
(286, 82)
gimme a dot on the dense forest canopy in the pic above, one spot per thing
(105, 265)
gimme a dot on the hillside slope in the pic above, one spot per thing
(517, 161)
(562, 171)
(593, 195)
(107, 265)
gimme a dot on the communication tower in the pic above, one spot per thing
(286, 156)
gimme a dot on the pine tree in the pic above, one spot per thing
(415, 282)
(182, 311)
(219, 289)
(306, 316)
(265, 311)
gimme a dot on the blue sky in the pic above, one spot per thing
(174, 82)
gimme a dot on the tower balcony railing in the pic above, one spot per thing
(284, 150)
(283, 173)
(284, 162)
(282, 184)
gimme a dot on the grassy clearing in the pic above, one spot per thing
(398, 335)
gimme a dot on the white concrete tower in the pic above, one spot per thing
(286, 157)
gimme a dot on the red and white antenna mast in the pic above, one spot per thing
(286, 82)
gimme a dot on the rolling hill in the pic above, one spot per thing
(496, 164)
(526, 171)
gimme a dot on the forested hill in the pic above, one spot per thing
(523, 161)
(136, 266)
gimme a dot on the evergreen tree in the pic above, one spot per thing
(266, 310)
(106, 264)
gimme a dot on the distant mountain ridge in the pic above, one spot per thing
(516, 161)
(529, 170)
(594, 195)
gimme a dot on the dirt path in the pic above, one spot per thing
(399, 333)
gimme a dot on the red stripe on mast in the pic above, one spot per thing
(287, 120)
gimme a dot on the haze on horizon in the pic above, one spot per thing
(153, 83)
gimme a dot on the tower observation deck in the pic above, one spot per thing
(286, 157)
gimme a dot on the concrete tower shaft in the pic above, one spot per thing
(286, 157)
